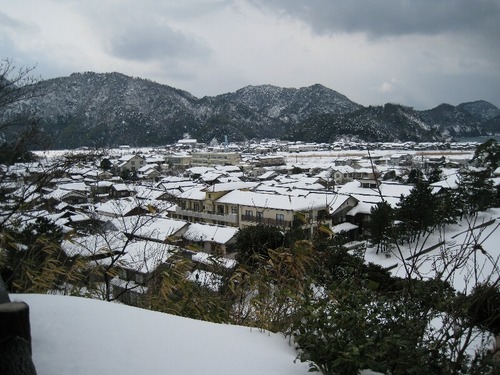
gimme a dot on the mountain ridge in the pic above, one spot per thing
(109, 109)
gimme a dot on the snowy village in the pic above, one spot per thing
(150, 203)
(110, 224)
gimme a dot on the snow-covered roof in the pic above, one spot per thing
(200, 170)
(187, 141)
(211, 176)
(103, 183)
(337, 201)
(344, 227)
(182, 184)
(126, 158)
(274, 201)
(207, 279)
(209, 233)
(209, 259)
(145, 256)
(449, 182)
(387, 190)
(228, 186)
(361, 208)
(60, 194)
(228, 168)
(146, 226)
(75, 186)
(121, 187)
(117, 207)
(145, 192)
(267, 175)
(146, 169)
(196, 193)
(92, 245)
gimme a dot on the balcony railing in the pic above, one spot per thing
(229, 218)
(266, 221)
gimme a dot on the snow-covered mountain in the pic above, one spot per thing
(466, 119)
(109, 109)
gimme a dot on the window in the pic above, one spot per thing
(260, 217)
(249, 215)
(220, 209)
(234, 210)
(280, 219)
(196, 207)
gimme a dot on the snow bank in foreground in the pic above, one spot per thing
(81, 336)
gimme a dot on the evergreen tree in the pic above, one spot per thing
(435, 175)
(475, 191)
(415, 176)
(418, 210)
(487, 155)
(254, 242)
(381, 221)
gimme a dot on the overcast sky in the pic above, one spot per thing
(419, 53)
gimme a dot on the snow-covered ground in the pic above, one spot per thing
(79, 336)
(482, 252)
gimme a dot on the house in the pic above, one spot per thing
(147, 172)
(349, 230)
(121, 208)
(138, 267)
(136, 260)
(342, 174)
(149, 227)
(120, 191)
(402, 159)
(130, 163)
(72, 197)
(365, 173)
(100, 189)
(96, 174)
(208, 238)
(75, 220)
(368, 197)
(339, 206)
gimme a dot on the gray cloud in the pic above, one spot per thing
(392, 17)
(143, 32)
(8, 23)
(154, 41)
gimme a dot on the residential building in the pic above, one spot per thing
(130, 163)
(215, 158)
(199, 204)
(283, 211)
